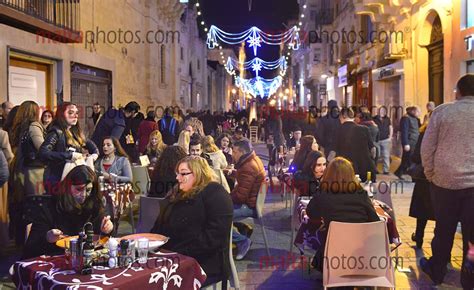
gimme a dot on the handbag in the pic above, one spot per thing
(70, 165)
(29, 152)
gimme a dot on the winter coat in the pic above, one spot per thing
(409, 129)
(46, 216)
(169, 130)
(354, 143)
(54, 153)
(144, 130)
(249, 176)
(131, 127)
(199, 227)
(420, 206)
(111, 124)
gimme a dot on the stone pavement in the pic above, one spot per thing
(288, 272)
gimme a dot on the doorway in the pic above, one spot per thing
(435, 63)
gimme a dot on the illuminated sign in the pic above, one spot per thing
(342, 75)
(469, 40)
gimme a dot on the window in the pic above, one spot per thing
(469, 13)
(182, 53)
(199, 64)
(470, 67)
(163, 64)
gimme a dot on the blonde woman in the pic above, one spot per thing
(197, 216)
(155, 146)
(219, 161)
(184, 140)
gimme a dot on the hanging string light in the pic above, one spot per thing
(259, 86)
(254, 37)
(256, 64)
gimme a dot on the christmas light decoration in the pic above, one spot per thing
(257, 64)
(259, 86)
(254, 37)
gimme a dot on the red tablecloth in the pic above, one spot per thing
(163, 271)
(307, 235)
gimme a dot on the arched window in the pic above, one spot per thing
(163, 64)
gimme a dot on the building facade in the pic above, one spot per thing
(107, 51)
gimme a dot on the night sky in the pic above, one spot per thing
(269, 15)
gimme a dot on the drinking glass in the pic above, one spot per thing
(142, 247)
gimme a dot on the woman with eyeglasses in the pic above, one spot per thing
(197, 217)
(79, 201)
(65, 141)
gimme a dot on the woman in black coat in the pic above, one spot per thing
(64, 142)
(341, 198)
(78, 202)
(421, 207)
(197, 217)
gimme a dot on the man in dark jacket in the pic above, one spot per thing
(409, 129)
(385, 137)
(249, 174)
(111, 124)
(355, 143)
(133, 118)
(327, 126)
(168, 128)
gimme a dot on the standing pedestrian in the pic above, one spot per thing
(448, 160)
(410, 131)
(385, 138)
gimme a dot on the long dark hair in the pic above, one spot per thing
(66, 203)
(166, 164)
(8, 125)
(311, 161)
(119, 149)
(74, 136)
(305, 147)
(27, 114)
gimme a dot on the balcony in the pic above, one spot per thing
(57, 20)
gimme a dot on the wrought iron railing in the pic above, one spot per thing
(61, 13)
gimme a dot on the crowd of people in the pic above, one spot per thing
(209, 175)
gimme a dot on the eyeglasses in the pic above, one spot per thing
(183, 174)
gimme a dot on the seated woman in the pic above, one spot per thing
(114, 164)
(224, 144)
(341, 198)
(155, 146)
(163, 178)
(219, 162)
(307, 181)
(308, 144)
(183, 140)
(79, 201)
(197, 217)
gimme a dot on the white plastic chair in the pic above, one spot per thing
(141, 180)
(262, 194)
(253, 134)
(235, 283)
(368, 244)
(148, 213)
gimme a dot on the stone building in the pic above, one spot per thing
(105, 51)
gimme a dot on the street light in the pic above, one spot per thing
(234, 91)
(287, 91)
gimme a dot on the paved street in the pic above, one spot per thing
(288, 272)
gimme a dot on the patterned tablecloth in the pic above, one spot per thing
(162, 271)
(308, 234)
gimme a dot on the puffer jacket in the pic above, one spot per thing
(249, 176)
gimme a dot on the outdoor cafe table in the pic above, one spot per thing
(164, 270)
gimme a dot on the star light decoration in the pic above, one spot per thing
(257, 64)
(254, 37)
(257, 67)
(259, 86)
(254, 42)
